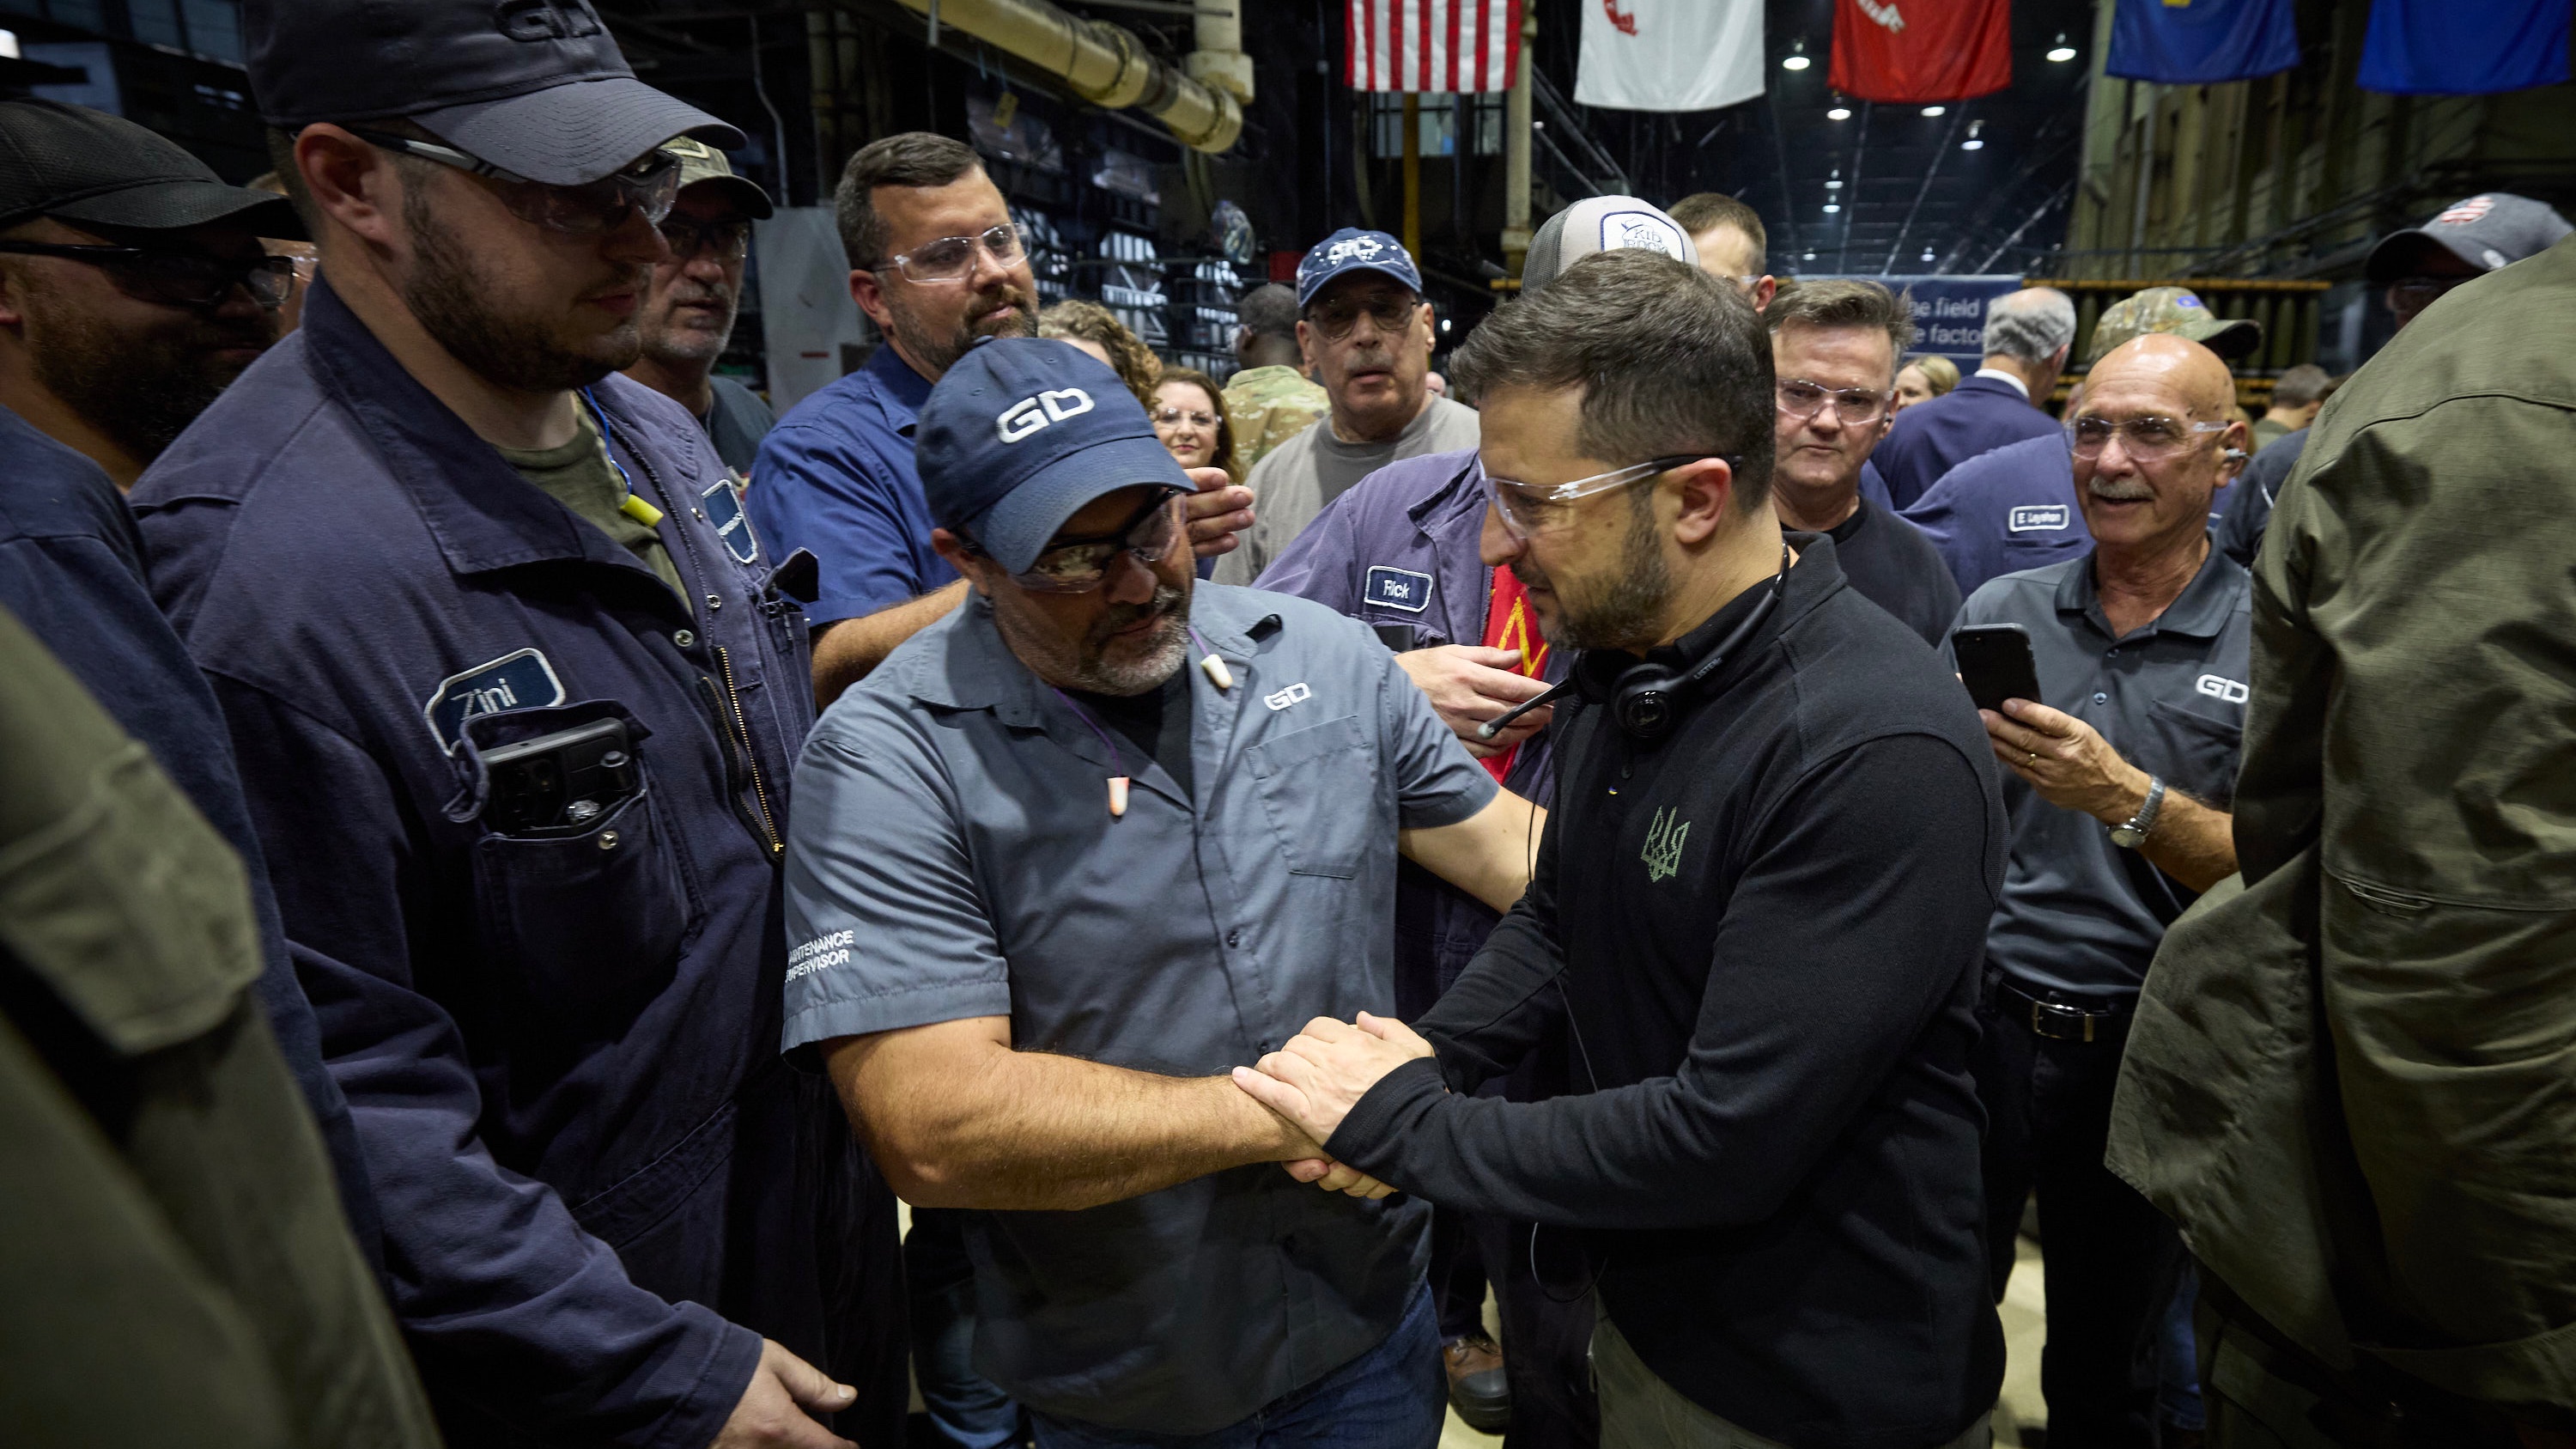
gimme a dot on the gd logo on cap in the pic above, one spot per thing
(1032, 413)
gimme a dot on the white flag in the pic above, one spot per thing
(1669, 55)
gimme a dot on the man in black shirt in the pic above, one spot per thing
(1834, 350)
(1759, 910)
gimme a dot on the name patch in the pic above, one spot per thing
(2035, 517)
(724, 510)
(521, 680)
(1398, 589)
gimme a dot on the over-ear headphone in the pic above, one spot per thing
(1645, 697)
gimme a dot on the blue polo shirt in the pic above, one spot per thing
(836, 477)
(952, 855)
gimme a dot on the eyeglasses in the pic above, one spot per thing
(176, 279)
(1336, 318)
(1530, 508)
(1080, 565)
(729, 240)
(1174, 417)
(594, 208)
(2414, 294)
(1856, 406)
(952, 258)
(2146, 439)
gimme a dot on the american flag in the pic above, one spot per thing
(1433, 45)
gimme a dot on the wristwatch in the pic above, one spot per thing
(2132, 832)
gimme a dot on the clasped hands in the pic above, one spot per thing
(1315, 1080)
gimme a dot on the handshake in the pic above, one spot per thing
(1315, 1080)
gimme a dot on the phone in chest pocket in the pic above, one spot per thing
(560, 783)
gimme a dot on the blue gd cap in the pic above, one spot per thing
(1353, 250)
(1021, 434)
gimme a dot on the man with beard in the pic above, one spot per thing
(132, 284)
(2118, 806)
(1758, 908)
(514, 707)
(688, 315)
(1048, 879)
(936, 263)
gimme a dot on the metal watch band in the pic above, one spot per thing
(2132, 832)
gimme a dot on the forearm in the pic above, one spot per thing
(1489, 855)
(846, 650)
(2192, 842)
(1021, 1130)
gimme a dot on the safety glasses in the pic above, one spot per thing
(650, 187)
(729, 240)
(175, 279)
(1080, 565)
(952, 258)
(2147, 439)
(1531, 508)
(1337, 318)
(1856, 406)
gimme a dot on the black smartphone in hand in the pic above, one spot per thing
(1995, 664)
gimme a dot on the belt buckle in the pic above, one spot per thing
(2043, 1012)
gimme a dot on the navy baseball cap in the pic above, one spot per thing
(2491, 230)
(87, 166)
(535, 87)
(1021, 434)
(1353, 250)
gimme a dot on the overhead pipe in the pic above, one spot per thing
(1219, 62)
(1104, 64)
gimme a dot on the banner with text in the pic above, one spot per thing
(1949, 312)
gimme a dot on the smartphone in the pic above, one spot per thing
(560, 784)
(1994, 662)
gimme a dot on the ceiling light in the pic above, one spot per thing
(1936, 110)
(1806, 256)
(1833, 186)
(1830, 208)
(9, 44)
(1839, 113)
(2061, 52)
(1927, 254)
(1972, 144)
(1796, 59)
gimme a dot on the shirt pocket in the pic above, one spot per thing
(2194, 752)
(1307, 782)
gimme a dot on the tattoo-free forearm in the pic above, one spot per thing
(847, 649)
(2192, 842)
(957, 1118)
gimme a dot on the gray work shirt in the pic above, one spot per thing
(2079, 915)
(952, 855)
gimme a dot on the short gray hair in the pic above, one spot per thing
(1670, 361)
(2029, 325)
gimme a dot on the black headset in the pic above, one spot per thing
(1645, 697)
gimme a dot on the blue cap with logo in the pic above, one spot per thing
(1353, 250)
(1021, 434)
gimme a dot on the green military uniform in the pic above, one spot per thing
(2352, 1078)
(174, 1266)
(1267, 406)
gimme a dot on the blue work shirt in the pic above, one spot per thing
(71, 569)
(600, 1188)
(836, 478)
(1930, 438)
(1399, 553)
(953, 856)
(2004, 512)
(2248, 514)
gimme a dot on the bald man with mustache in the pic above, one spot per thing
(2118, 788)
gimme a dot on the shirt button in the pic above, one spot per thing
(2101, 699)
(685, 638)
(1234, 938)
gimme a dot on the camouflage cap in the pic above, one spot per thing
(701, 163)
(2177, 310)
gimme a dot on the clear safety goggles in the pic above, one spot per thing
(650, 186)
(1531, 508)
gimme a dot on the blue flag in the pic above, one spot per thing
(2201, 42)
(2451, 48)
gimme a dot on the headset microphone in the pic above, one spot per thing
(1503, 721)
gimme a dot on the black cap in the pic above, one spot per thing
(85, 166)
(535, 87)
(2487, 231)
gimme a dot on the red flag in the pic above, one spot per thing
(1432, 45)
(1508, 625)
(1921, 50)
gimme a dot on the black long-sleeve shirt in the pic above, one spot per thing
(1767, 930)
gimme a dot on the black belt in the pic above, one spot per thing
(2057, 1020)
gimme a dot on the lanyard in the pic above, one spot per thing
(628, 504)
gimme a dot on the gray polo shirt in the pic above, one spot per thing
(2080, 915)
(952, 855)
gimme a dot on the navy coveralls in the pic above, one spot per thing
(600, 1188)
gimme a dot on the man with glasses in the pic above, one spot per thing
(1835, 346)
(1102, 833)
(688, 314)
(2117, 801)
(133, 288)
(1757, 912)
(515, 693)
(1368, 336)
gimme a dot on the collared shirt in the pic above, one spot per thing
(1315, 467)
(953, 856)
(2080, 915)
(1891, 564)
(1981, 414)
(2004, 512)
(2018, 385)
(737, 419)
(836, 477)
(2250, 498)
(555, 1047)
